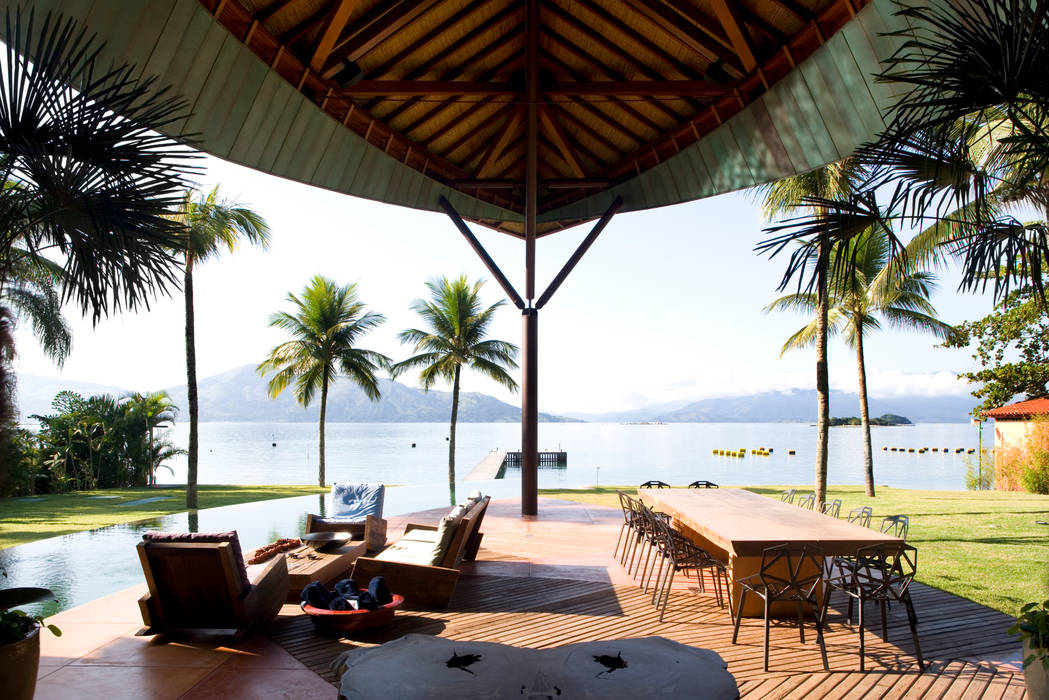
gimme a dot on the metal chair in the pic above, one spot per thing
(861, 516)
(628, 525)
(681, 554)
(702, 484)
(832, 508)
(787, 496)
(655, 483)
(788, 573)
(895, 525)
(882, 573)
(808, 501)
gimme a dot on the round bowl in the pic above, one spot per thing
(342, 622)
(319, 540)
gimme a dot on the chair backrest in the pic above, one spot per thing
(792, 571)
(787, 496)
(453, 556)
(702, 484)
(655, 483)
(808, 501)
(861, 516)
(832, 508)
(193, 584)
(357, 501)
(885, 571)
(895, 525)
(628, 509)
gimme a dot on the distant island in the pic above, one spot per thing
(886, 419)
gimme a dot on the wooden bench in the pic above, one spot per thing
(410, 568)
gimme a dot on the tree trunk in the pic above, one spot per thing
(451, 429)
(191, 390)
(822, 378)
(320, 431)
(865, 418)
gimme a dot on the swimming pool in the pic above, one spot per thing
(83, 566)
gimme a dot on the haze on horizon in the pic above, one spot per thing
(665, 307)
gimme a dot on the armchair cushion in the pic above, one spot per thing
(354, 502)
(231, 537)
(445, 533)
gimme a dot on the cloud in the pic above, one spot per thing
(892, 383)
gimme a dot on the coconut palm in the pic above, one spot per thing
(872, 289)
(457, 324)
(326, 324)
(212, 225)
(154, 409)
(30, 287)
(812, 194)
(92, 188)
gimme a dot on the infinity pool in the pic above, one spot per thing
(83, 566)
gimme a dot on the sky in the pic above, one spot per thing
(665, 307)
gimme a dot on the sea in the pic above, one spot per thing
(597, 453)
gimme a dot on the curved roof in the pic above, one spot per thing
(405, 101)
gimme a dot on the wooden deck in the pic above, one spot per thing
(573, 590)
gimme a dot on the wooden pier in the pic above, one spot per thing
(494, 464)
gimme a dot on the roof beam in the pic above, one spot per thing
(302, 28)
(273, 8)
(507, 131)
(560, 140)
(696, 41)
(333, 25)
(378, 25)
(736, 33)
(597, 88)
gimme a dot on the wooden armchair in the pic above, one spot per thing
(200, 585)
(418, 567)
(357, 509)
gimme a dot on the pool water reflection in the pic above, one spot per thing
(83, 566)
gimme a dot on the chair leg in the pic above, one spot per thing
(819, 634)
(884, 624)
(859, 604)
(849, 617)
(666, 594)
(801, 621)
(766, 631)
(622, 529)
(912, 619)
(739, 613)
(657, 588)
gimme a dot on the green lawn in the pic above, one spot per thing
(985, 546)
(23, 520)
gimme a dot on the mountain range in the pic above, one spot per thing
(241, 395)
(795, 405)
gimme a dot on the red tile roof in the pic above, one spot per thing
(1022, 409)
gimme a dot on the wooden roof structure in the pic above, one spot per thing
(406, 101)
(526, 116)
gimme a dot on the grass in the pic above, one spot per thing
(981, 545)
(23, 521)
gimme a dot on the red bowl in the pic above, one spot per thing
(341, 622)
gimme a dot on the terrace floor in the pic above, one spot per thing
(541, 582)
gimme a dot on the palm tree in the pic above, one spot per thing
(153, 409)
(212, 224)
(811, 192)
(326, 325)
(457, 325)
(871, 289)
(93, 189)
(30, 288)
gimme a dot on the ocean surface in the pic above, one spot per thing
(598, 453)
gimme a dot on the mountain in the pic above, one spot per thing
(240, 395)
(797, 405)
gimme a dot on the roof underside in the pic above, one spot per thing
(403, 101)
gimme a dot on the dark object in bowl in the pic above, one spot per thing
(339, 623)
(320, 540)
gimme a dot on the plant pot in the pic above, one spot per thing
(1035, 675)
(19, 662)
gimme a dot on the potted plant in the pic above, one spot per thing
(20, 641)
(1032, 627)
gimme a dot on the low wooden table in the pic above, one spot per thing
(737, 525)
(306, 565)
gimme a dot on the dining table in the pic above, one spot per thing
(736, 526)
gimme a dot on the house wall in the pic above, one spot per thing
(1010, 433)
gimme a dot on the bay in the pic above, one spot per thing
(598, 453)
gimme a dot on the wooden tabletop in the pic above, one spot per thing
(744, 523)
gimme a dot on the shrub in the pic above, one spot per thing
(1026, 466)
(977, 478)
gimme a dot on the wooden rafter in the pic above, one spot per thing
(699, 42)
(507, 131)
(303, 27)
(597, 88)
(373, 31)
(273, 8)
(737, 33)
(422, 42)
(557, 136)
(332, 27)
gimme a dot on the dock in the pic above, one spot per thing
(491, 467)
(494, 464)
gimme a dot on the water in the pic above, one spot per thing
(606, 453)
(83, 566)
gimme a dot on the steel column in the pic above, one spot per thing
(529, 412)
(530, 355)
